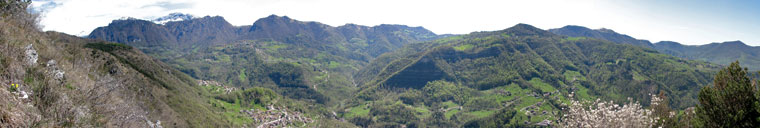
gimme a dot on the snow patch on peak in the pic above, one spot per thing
(173, 17)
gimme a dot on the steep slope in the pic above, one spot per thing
(360, 39)
(173, 17)
(357, 39)
(135, 32)
(57, 80)
(522, 68)
(719, 53)
(202, 31)
(301, 60)
(65, 81)
(605, 34)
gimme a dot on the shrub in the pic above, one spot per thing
(607, 115)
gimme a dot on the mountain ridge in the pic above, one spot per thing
(720, 53)
(279, 28)
(603, 33)
(521, 69)
(404, 74)
(173, 17)
(294, 58)
(713, 52)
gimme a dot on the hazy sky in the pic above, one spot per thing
(685, 21)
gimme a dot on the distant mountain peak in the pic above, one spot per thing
(662, 45)
(582, 28)
(667, 42)
(602, 33)
(522, 29)
(127, 18)
(523, 25)
(605, 30)
(731, 44)
(740, 43)
(173, 17)
(575, 28)
(277, 16)
(397, 26)
(218, 19)
(274, 17)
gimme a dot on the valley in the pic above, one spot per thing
(428, 79)
(182, 70)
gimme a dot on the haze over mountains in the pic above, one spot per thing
(387, 63)
(524, 69)
(302, 60)
(720, 53)
(187, 71)
(212, 30)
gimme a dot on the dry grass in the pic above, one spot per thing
(113, 88)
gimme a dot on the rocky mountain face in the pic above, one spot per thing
(370, 41)
(51, 79)
(135, 32)
(301, 60)
(395, 75)
(173, 17)
(719, 53)
(366, 40)
(202, 31)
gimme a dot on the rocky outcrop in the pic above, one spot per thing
(31, 55)
(56, 73)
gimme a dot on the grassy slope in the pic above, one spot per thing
(535, 65)
(104, 84)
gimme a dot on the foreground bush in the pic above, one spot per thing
(601, 114)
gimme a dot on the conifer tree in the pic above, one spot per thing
(731, 101)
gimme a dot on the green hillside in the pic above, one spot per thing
(301, 60)
(151, 70)
(719, 53)
(52, 79)
(522, 72)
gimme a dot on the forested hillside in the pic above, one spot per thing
(365, 76)
(181, 70)
(603, 33)
(719, 53)
(301, 60)
(519, 76)
(52, 79)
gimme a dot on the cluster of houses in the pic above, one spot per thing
(277, 117)
(214, 83)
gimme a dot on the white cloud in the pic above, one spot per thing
(79, 17)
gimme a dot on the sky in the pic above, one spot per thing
(691, 22)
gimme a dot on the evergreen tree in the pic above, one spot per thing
(731, 101)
